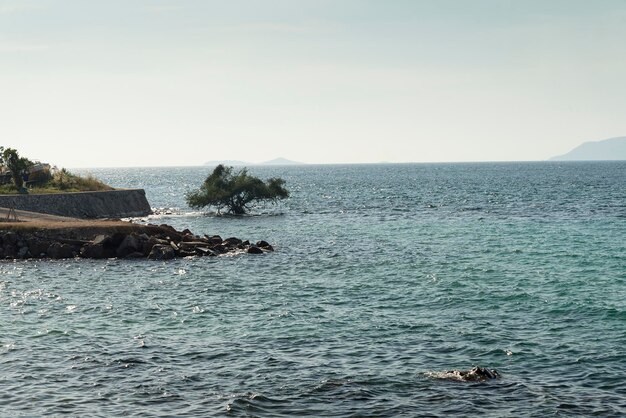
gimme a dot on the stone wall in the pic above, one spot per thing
(86, 205)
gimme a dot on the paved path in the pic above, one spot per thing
(26, 216)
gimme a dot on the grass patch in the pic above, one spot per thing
(61, 181)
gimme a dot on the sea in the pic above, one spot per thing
(383, 278)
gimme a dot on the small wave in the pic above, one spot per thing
(252, 403)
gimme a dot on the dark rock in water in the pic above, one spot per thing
(37, 246)
(130, 244)
(475, 374)
(168, 227)
(96, 251)
(232, 241)
(265, 245)
(185, 253)
(253, 249)
(148, 245)
(214, 240)
(161, 252)
(189, 237)
(206, 251)
(154, 243)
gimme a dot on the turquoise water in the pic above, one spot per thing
(383, 276)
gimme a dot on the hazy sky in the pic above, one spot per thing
(179, 82)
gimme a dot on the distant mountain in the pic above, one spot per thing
(237, 163)
(281, 161)
(608, 149)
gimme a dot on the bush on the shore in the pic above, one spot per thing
(42, 180)
(235, 191)
(63, 180)
(16, 164)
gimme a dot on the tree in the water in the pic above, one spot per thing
(235, 191)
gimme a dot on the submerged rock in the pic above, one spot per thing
(475, 374)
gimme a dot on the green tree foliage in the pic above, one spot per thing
(10, 158)
(235, 191)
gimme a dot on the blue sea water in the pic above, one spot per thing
(383, 276)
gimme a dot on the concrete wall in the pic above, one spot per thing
(85, 205)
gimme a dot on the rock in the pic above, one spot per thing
(96, 251)
(152, 242)
(37, 246)
(130, 244)
(58, 250)
(265, 245)
(9, 238)
(475, 374)
(220, 249)
(161, 252)
(189, 238)
(214, 240)
(100, 239)
(9, 251)
(206, 251)
(232, 241)
(23, 252)
(191, 245)
(116, 239)
(253, 249)
(166, 226)
(148, 245)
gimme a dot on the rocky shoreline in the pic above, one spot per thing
(118, 240)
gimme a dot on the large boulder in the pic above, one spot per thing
(130, 244)
(264, 245)
(162, 252)
(253, 249)
(38, 247)
(232, 241)
(96, 251)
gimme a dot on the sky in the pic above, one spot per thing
(122, 83)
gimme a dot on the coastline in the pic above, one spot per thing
(37, 235)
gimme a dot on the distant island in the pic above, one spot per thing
(237, 163)
(608, 149)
